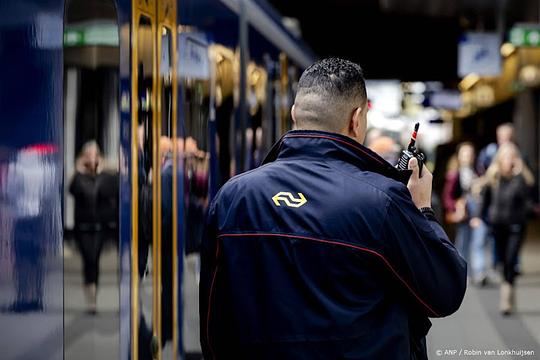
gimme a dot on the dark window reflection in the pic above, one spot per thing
(146, 247)
(194, 112)
(256, 81)
(225, 109)
(166, 163)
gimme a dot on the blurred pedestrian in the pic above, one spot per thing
(481, 237)
(84, 188)
(506, 200)
(31, 183)
(386, 147)
(505, 134)
(457, 197)
(461, 196)
(372, 134)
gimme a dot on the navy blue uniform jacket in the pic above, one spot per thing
(340, 265)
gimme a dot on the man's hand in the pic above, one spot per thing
(420, 187)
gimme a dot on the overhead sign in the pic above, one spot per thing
(479, 53)
(95, 33)
(446, 99)
(525, 35)
(193, 56)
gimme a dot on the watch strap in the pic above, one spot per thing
(429, 213)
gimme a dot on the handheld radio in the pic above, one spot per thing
(410, 152)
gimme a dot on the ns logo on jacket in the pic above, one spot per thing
(288, 199)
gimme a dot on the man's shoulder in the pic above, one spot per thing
(247, 177)
(385, 186)
(363, 187)
(246, 180)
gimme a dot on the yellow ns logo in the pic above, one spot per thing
(289, 199)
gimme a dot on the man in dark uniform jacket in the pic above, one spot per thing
(323, 252)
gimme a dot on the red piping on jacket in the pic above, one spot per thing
(386, 262)
(338, 140)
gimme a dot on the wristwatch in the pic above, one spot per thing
(429, 213)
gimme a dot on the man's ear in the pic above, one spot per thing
(293, 116)
(355, 124)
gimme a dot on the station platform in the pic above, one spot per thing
(476, 326)
(89, 337)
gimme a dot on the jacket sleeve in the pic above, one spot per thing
(209, 248)
(74, 186)
(421, 258)
(526, 195)
(485, 202)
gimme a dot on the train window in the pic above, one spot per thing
(167, 203)
(226, 85)
(147, 254)
(90, 203)
(268, 106)
(194, 73)
(285, 95)
(256, 100)
(291, 92)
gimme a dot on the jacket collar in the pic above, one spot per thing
(321, 144)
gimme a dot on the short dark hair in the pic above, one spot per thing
(336, 77)
(326, 93)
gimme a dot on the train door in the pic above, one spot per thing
(195, 117)
(155, 152)
(91, 180)
(167, 154)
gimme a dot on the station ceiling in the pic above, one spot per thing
(403, 39)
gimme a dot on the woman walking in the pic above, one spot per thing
(84, 188)
(506, 200)
(457, 198)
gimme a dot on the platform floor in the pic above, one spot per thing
(476, 326)
(88, 337)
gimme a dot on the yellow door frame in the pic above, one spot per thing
(161, 13)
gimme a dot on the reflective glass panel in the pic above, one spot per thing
(166, 174)
(147, 341)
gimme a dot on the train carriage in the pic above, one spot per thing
(179, 96)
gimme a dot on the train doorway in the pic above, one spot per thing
(91, 185)
(155, 153)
